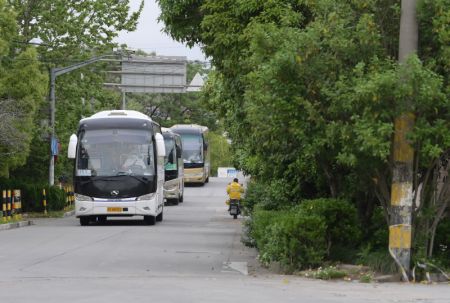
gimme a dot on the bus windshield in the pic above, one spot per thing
(192, 148)
(170, 162)
(115, 152)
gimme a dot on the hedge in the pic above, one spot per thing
(32, 195)
(303, 236)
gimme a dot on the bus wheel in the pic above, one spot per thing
(159, 217)
(180, 199)
(207, 180)
(149, 220)
(173, 201)
(234, 216)
(84, 221)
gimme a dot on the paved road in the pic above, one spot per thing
(194, 255)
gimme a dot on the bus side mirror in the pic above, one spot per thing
(160, 147)
(72, 149)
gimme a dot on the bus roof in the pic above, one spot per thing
(126, 114)
(189, 128)
(167, 132)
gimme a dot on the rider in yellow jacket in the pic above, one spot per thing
(234, 190)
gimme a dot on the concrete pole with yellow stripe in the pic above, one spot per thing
(403, 154)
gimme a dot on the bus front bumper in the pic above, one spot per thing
(194, 175)
(116, 208)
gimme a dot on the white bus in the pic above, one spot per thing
(174, 169)
(119, 167)
(194, 139)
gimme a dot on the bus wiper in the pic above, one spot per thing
(90, 180)
(139, 178)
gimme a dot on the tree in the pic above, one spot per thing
(318, 84)
(70, 32)
(22, 90)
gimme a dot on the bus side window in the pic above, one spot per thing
(84, 157)
(205, 143)
(178, 147)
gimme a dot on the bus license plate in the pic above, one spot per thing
(114, 209)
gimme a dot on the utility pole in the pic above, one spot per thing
(400, 232)
(55, 72)
(124, 100)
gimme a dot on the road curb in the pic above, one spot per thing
(16, 225)
(69, 214)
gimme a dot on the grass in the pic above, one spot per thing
(366, 278)
(378, 261)
(10, 221)
(347, 273)
(327, 273)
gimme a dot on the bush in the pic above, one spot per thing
(56, 198)
(441, 251)
(295, 239)
(254, 192)
(378, 260)
(260, 224)
(302, 236)
(269, 196)
(341, 219)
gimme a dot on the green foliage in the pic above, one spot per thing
(442, 244)
(219, 149)
(56, 198)
(366, 278)
(318, 85)
(329, 273)
(70, 32)
(295, 239)
(22, 89)
(377, 259)
(269, 196)
(253, 194)
(342, 226)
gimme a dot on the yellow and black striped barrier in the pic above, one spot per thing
(4, 207)
(11, 205)
(17, 204)
(70, 195)
(44, 201)
(8, 205)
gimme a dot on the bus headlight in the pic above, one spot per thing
(171, 186)
(146, 197)
(82, 197)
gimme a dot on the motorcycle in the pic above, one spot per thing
(235, 208)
